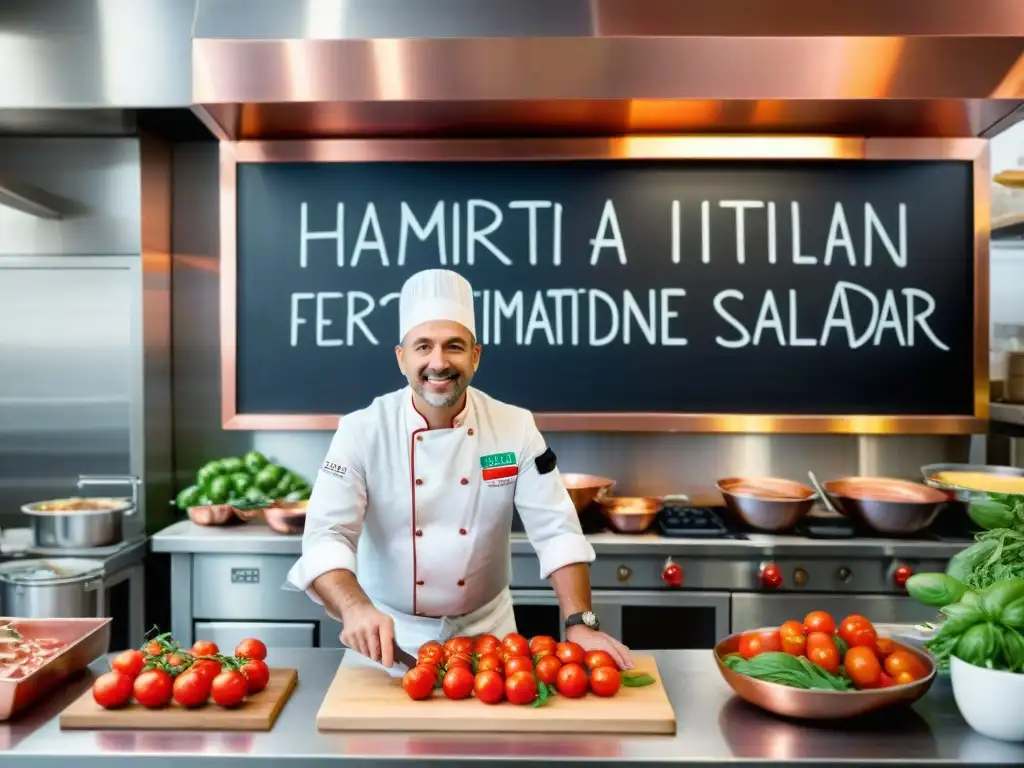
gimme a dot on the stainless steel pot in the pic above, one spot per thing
(888, 505)
(63, 588)
(78, 528)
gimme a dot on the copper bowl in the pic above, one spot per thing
(286, 517)
(767, 503)
(888, 505)
(586, 489)
(630, 514)
(820, 705)
(212, 514)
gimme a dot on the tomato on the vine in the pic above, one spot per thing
(432, 651)
(486, 644)
(884, 646)
(569, 653)
(756, 642)
(153, 648)
(605, 681)
(518, 664)
(571, 681)
(130, 663)
(459, 659)
(257, 674)
(112, 689)
(419, 682)
(229, 688)
(153, 688)
(457, 683)
(192, 689)
(514, 644)
(206, 667)
(542, 645)
(489, 687)
(597, 659)
(251, 648)
(204, 648)
(174, 660)
(459, 645)
(521, 687)
(819, 621)
(489, 661)
(822, 650)
(547, 669)
(863, 667)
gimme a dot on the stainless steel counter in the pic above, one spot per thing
(713, 729)
(185, 537)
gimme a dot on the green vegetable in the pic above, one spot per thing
(841, 646)
(964, 564)
(990, 513)
(268, 478)
(999, 596)
(960, 618)
(978, 644)
(189, 497)
(1012, 646)
(207, 472)
(935, 589)
(240, 482)
(256, 496)
(302, 494)
(284, 485)
(230, 465)
(636, 679)
(254, 461)
(784, 669)
(219, 489)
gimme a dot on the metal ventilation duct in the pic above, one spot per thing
(343, 68)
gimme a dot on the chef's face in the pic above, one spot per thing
(439, 359)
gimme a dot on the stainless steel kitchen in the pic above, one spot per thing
(803, 492)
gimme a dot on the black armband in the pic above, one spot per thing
(546, 462)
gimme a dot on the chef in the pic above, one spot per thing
(407, 535)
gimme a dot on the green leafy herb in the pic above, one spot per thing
(935, 589)
(636, 679)
(543, 694)
(784, 669)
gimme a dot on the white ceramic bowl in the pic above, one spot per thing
(989, 700)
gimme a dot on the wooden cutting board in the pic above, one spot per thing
(368, 699)
(257, 713)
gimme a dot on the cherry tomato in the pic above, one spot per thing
(905, 678)
(431, 667)
(514, 645)
(191, 688)
(605, 681)
(759, 641)
(153, 648)
(792, 628)
(207, 667)
(569, 653)
(863, 667)
(174, 660)
(433, 652)
(204, 648)
(819, 621)
(459, 660)
(488, 661)
(251, 648)
(489, 687)
(821, 649)
(459, 645)
(795, 645)
(884, 681)
(597, 659)
(113, 689)
(521, 687)
(572, 680)
(855, 631)
(486, 644)
(884, 646)
(229, 687)
(129, 662)
(153, 688)
(257, 675)
(542, 645)
(518, 664)
(419, 682)
(458, 683)
(547, 669)
(900, 662)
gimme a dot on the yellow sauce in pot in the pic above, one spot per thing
(982, 481)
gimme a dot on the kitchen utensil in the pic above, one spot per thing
(766, 503)
(257, 713)
(630, 514)
(87, 640)
(52, 588)
(404, 658)
(286, 517)
(368, 699)
(964, 493)
(585, 489)
(212, 514)
(819, 705)
(888, 505)
(825, 500)
(78, 523)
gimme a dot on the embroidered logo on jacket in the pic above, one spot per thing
(497, 469)
(335, 469)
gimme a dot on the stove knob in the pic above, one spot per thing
(771, 576)
(624, 573)
(672, 574)
(845, 575)
(800, 577)
(900, 575)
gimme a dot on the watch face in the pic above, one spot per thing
(589, 619)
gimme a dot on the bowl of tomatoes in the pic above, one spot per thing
(820, 669)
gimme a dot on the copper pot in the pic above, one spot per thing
(630, 514)
(286, 517)
(887, 505)
(767, 503)
(586, 489)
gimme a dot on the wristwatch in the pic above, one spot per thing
(586, 618)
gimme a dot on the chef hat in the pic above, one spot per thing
(435, 294)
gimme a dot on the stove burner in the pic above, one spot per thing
(691, 522)
(826, 528)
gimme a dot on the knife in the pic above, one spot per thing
(401, 657)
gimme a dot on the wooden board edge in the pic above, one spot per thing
(98, 722)
(440, 724)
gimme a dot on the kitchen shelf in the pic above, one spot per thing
(1007, 413)
(1009, 226)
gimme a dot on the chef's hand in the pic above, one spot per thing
(592, 640)
(370, 632)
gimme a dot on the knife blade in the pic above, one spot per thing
(401, 657)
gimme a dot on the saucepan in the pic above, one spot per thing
(586, 489)
(887, 504)
(767, 503)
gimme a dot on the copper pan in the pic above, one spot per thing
(630, 514)
(887, 505)
(820, 705)
(586, 489)
(767, 503)
(286, 517)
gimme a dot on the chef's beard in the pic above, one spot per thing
(460, 384)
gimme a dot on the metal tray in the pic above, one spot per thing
(87, 639)
(929, 471)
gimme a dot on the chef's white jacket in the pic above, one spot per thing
(423, 516)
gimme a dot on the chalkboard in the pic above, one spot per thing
(745, 287)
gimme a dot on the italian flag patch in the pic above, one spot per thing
(498, 466)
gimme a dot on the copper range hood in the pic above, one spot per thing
(266, 69)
